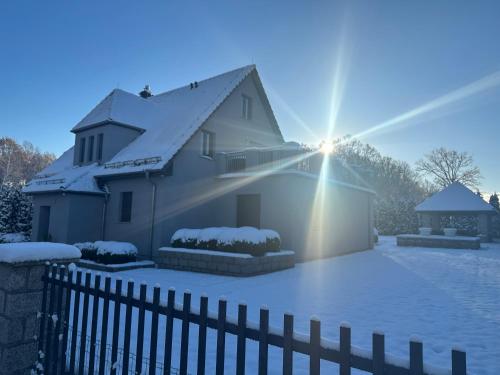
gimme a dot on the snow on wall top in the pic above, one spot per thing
(455, 198)
(36, 251)
(168, 121)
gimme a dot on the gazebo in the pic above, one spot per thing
(456, 201)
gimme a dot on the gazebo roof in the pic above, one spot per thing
(455, 198)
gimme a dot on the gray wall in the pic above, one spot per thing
(115, 138)
(288, 206)
(185, 199)
(73, 217)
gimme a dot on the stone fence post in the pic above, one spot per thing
(20, 300)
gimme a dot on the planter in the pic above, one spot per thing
(223, 263)
(450, 232)
(424, 231)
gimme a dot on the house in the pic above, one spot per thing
(210, 153)
(458, 207)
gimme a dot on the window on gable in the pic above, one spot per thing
(246, 107)
(207, 144)
(82, 150)
(126, 206)
(90, 155)
(100, 140)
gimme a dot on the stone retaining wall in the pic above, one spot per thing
(457, 242)
(20, 300)
(223, 263)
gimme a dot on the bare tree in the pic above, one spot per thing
(19, 163)
(447, 166)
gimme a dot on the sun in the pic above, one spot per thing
(326, 147)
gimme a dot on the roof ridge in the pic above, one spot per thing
(250, 67)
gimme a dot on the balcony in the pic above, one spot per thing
(262, 159)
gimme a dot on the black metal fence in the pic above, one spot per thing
(66, 347)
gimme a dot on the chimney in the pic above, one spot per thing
(146, 92)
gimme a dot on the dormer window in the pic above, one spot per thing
(82, 150)
(90, 155)
(100, 140)
(246, 107)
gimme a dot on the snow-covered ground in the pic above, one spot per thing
(445, 297)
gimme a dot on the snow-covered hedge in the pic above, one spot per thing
(247, 240)
(13, 237)
(108, 252)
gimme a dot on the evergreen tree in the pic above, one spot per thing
(494, 201)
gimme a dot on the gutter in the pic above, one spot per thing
(153, 209)
(104, 211)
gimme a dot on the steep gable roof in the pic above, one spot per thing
(455, 198)
(167, 122)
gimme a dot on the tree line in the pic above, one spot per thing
(19, 163)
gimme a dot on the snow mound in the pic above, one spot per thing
(35, 251)
(13, 237)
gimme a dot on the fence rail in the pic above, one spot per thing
(65, 346)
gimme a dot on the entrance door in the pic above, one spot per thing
(43, 223)
(248, 210)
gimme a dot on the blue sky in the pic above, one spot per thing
(59, 58)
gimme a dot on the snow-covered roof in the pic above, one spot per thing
(167, 120)
(63, 175)
(455, 198)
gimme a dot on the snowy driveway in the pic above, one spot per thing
(446, 297)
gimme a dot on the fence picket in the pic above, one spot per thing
(416, 358)
(167, 358)
(140, 328)
(315, 347)
(58, 317)
(378, 356)
(186, 309)
(104, 326)
(64, 355)
(116, 326)
(263, 345)
(202, 335)
(50, 321)
(241, 345)
(43, 310)
(85, 317)
(74, 330)
(287, 344)
(458, 362)
(128, 327)
(345, 350)
(153, 345)
(221, 337)
(93, 327)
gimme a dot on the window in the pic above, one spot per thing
(126, 206)
(90, 156)
(207, 144)
(246, 109)
(82, 150)
(100, 139)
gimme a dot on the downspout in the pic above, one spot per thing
(153, 209)
(104, 211)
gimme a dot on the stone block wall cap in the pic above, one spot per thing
(38, 252)
(27, 263)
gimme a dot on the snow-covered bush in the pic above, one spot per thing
(88, 249)
(247, 240)
(108, 252)
(185, 238)
(13, 237)
(113, 252)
